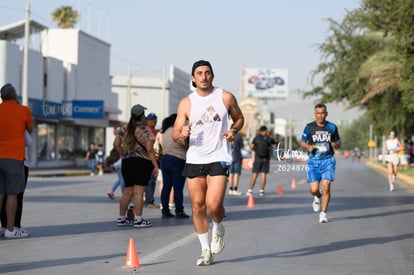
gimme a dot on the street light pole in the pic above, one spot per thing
(25, 78)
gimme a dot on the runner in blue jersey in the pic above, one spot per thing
(320, 138)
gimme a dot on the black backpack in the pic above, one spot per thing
(261, 146)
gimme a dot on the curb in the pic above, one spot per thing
(48, 174)
(400, 176)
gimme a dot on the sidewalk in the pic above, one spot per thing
(58, 172)
(380, 167)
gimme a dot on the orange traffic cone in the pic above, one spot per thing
(293, 185)
(132, 256)
(250, 201)
(279, 189)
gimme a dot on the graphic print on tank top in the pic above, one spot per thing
(206, 128)
(209, 116)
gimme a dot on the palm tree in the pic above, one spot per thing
(65, 17)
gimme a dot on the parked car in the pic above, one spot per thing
(263, 83)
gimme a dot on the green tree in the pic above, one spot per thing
(356, 134)
(363, 66)
(65, 17)
(396, 19)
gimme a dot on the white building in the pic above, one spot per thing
(70, 91)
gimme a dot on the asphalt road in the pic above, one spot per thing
(370, 230)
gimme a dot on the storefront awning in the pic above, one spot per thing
(15, 31)
(112, 110)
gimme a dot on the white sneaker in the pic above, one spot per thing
(391, 187)
(323, 218)
(24, 230)
(249, 192)
(231, 192)
(217, 242)
(16, 233)
(237, 193)
(261, 193)
(205, 259)
(316, 204)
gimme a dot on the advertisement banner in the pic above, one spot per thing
(265, 83)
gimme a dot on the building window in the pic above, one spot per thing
(46, 141)
(67, 141)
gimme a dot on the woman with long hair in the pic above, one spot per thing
(135, 144)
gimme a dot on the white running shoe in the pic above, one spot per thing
(237, 193)
(16, 233)
(249, 192)
(316, 204)
(24, 230)
(323, 218)
(205, 259)
(217, 242)
(231, 192)
(391, 187)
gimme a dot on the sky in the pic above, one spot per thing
(232, 34)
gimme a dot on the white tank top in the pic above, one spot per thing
(392, 145)
(209, 120)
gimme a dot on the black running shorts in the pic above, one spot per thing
(210, 169)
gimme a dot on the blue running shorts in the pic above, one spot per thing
(321, 169)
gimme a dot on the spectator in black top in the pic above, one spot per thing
(261, 146)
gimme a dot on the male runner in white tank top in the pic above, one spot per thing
(203, 118)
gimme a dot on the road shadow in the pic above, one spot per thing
(19, 267)
(325, 248)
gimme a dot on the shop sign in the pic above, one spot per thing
(91, 109)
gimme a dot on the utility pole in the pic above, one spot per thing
(370, 138)
(128, 95)
(163, 88)
(25, 78)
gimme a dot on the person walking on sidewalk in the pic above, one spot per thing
(91, 158)
(119, 182)
(320, 138)
(203, 118)
(236, 165)
(100, 159)
(261, 145)
(114, 160)
(391, 147)
(136, 146)
(12, 155)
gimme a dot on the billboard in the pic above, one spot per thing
(265, 83)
